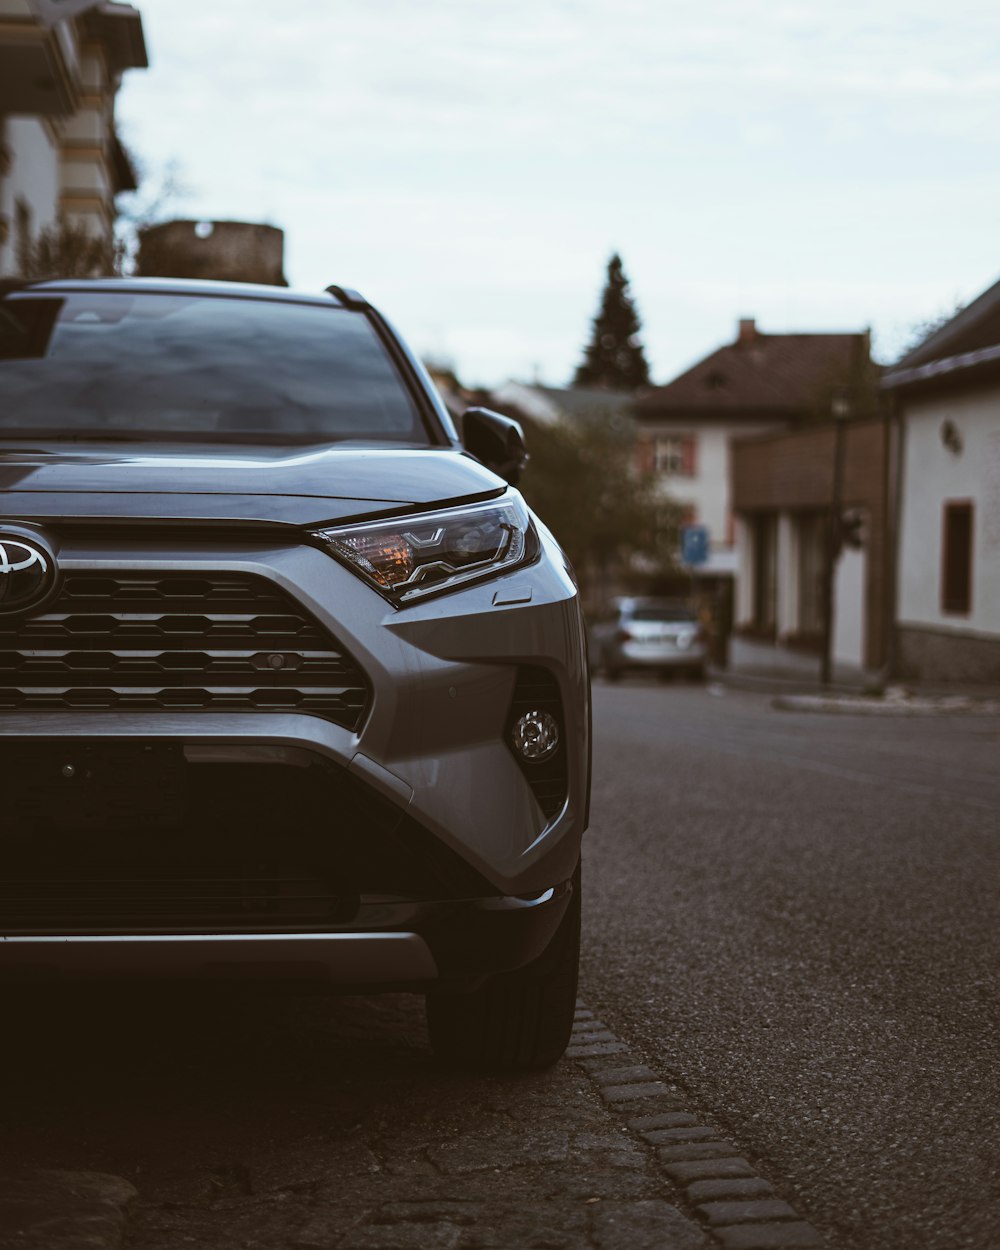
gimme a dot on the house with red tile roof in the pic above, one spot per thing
(760, 382)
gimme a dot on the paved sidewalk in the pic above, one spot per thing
(317, 1125)
(795, 678)
(251, 1137)
(762, 666)
(896, 701)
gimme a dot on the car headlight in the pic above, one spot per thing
(409, 558)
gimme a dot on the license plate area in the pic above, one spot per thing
(132, 838)
(91, 788)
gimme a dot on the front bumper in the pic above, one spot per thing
(432, 751)
(407, 945)
(661, 655)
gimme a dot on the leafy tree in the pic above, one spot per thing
(584, 481)
(614, 357)
(66, 249)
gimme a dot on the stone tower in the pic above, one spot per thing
(226, 251)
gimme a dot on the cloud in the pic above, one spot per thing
(464, 157)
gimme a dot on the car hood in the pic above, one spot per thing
(300, 486)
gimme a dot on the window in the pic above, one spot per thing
(956, 558)
(674, 454)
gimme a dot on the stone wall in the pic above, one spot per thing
(937, 655)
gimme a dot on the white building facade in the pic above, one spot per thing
(948, 593)
(692, 463)
(61, 63)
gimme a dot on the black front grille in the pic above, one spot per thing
(128, 837)
(177, 642)
(135, 903)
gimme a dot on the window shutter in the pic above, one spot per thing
(689, 447)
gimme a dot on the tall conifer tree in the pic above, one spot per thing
(614, 357)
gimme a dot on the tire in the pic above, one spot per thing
(518, 1021)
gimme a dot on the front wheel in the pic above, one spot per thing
(517, 1021)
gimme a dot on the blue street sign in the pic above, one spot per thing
(694, 544)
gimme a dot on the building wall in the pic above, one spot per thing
(789, 475)
(746, 557)
(32, 177)
(57, 93)
(947, 656)
(86, 181)
(933, 475)
(787, 589)
(850, 609)
(707, 491)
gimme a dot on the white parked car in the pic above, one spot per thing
(662, 635)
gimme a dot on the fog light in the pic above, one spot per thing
(536, 735)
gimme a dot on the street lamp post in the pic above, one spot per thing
(840, 407)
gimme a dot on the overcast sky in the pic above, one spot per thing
(470, 165)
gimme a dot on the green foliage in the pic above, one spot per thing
(584, 482)
(67, 249)
(614, 357)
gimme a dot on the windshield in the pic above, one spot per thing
(126, 363)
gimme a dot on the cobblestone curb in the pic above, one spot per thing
(55, 1210)
(737, 1207)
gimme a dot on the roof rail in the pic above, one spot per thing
(348, 296)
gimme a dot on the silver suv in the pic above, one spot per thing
(292, 682)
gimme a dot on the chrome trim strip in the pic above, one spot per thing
(280, 729)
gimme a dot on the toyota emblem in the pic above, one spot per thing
(27, 572)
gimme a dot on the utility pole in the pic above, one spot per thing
(840, 406)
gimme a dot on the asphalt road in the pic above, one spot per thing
(796, 918)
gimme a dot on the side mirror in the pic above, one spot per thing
(496, 440)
